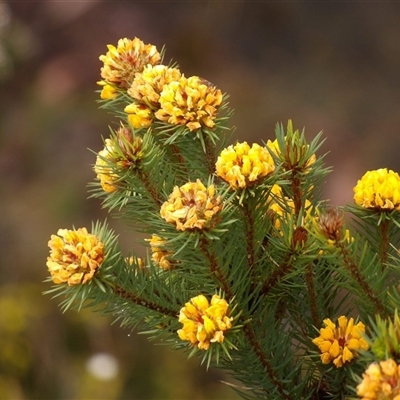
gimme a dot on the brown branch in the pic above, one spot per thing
(276, 275)
(251, 336)
(360, 279)
(119, 291)
(152, 191)
(248, 329)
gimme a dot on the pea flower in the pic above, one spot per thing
(148, 84)
(242, 166)
(380, 381)
(108, 92)
(190, 101)
(339, 344)
(75, 256)
(160, 256)
(103, 167)
(192, 206)
(122, 62)
(378, 189)
(139, 115)
(204, 322)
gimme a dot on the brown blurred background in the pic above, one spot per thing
(331, 66)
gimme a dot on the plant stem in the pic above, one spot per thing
(140, 301)
(248, 329)
(360, 279)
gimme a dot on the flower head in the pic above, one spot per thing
(380, 381)
(122, 62)
(379, 189)
(339, 344)
(241, 165)
(148, 85)
(75, 256)
(189, 101)
(204, 322)
(160, 256)
(192, 206)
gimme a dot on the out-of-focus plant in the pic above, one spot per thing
(247, 266)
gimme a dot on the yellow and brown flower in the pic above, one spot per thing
(192, 206)
(380, 381)
(204, 322)
(339, 344)
(75, 256)
(148, 85)
(189, 101)
(242, 166)
(122, 62)
(378, 189)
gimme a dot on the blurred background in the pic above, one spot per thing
(331, 66)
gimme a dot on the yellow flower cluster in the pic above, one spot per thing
(75, 256)
(339, 344)
(204, 322)
(122, 62)
(160, 256)
(192, 206)
(189, 101)
(379, 189)
(241, 165)
(380, 381)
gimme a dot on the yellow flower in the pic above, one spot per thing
(74, 257)
(139, 115)
(339, 344)
(241, 165)
(122, 62)
(203, 322)
(148, 85)
(160, 256)
(379, 189)
(189, 101)
(103, 167)
(380, 381)
(108, 92)
(192, 206)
